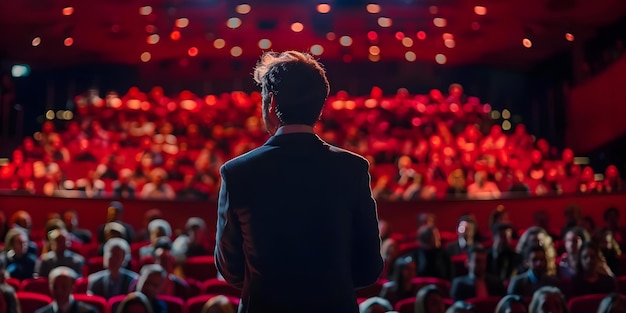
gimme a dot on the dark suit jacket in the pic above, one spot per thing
(77, 307)
(463, 287)
(98, 283)
(523, 286)
(504, 264)
(50, 260)
(297, 226)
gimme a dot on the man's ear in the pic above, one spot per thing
(272, 107)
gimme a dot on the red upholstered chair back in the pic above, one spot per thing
(174, 304)
(114, 302)
(200, 268)
(219, 287)
(14, 282)
(36, 285)
(442, 284)
(195, 304)
(487, 304)
(405, 305)
(94, 264)
(80, 286)
(458, 261)
(31, 302)
(585, 304)
(97, 302)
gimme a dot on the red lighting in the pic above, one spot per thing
(421, 35)
(193, 51)
(175, 35)
(372, 35)
(416, 121)
(68, 41)
(569, 37)
(399, 35)
(347, 58)
(68, 11)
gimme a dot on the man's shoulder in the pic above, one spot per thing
(83, 307)
(246, 157)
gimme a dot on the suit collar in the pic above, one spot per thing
(294, 139)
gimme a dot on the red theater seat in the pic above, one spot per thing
(442, 284)
(36, 285)
(97, 302)
(80, 286)
(31, 302)
(200, 268)
(487, 304)
(621, 284)
(14, 282)
(405, 305)
(219, 287)
(114, 302)
(585, 304)
(174, 304)
(94, 265)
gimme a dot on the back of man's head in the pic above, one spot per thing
(298, 84)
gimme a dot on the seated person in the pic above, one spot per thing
(574, 239)
(114, 279)
(589, 277)
(613, 303)
(135, 302)
(193, 242)
(70, 218)
(400, 286)
(429, 300)
(525, 284)
(502, 260)
(150, 283)
(466, 231)
(173, 285)
(59, 255)
(20, 262)
(548, 299)
(115, 212)
(478, 283)
(11, 305)
(511, 304)
(112, 230)
(483, 189)
(157, 228)
(375, 305)
(430, 259)
(61, 280)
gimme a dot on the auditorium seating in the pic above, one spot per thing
(585, 304)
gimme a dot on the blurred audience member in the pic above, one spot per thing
(511, 304)
(429, 300)
(218, 304)
(525, 284)
(115, 212)
(61, 280)
(590, 277)
(158, 188)
(400, 286)
(502, 260)
(482, 188)
(114, 279)
(193, 242)
(20, 262)
(59, 255)
(431, 260)
(70, 219)
(11, 304)
(548, 299)
(478, 283)
(150, 283)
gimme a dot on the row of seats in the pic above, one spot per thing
(30, 302)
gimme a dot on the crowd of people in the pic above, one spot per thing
(528, 268)
(146, 145)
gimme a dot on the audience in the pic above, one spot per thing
(375, 305)
(150, 283)
(502, 261)
(525, 284)
(511, 304)
(400, 286)
(613, 303)
(218, 304)
(61, 281)
(59, 255)
(466, 231)
(478, 283)
(11, 304)
(574, 239)
(115, 212)
(114, 279)
(135, 302)
(590, 277)
(20, 262)
(430, 259)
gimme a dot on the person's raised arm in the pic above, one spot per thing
(229, 256)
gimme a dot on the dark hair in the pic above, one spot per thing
(134, 298)
(422, 296)
(585, 246)
(298, 83)
(398, 267)
(610, 210)
(531, 249)
(425, 234)
(461, 306)
(579, 232)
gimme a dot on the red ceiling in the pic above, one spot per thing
(115, 31)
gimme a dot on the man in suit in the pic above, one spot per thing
(59, 255)
(115, 212)
(114, 279)
(61, 280)
(478, 283)
(150, 283)
(296, 216)
(466, 230)
(525, 284)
